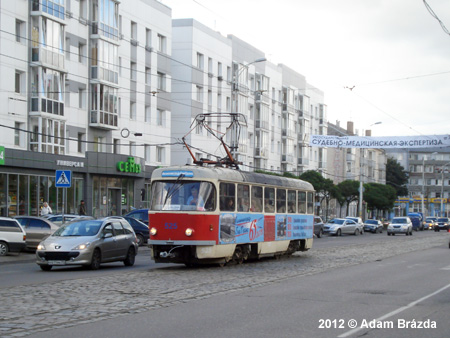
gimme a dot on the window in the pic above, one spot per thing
(257, 199)
(227, 197)
(99, 145)
(148, 76)
(292, 202)
(310, 203)
(82, 53)
(269, 199)
(20, 31)
(19, 82)
(133, 110)
(243, 193)
(17, 133)
(161, 43)
(199, 61)
(281, 200)
(147, 153)
(80, 142)
(161, 118)
(161, 81)
(81, 99)
(148, 37)
(301, 202)
(160, 154)
(147, 114)
(132, 148)
(118, 228)
(219, 69)
(134, 30)
(133, 71)
(67, 47)
(116, 146)
(210, 66)
(199, 92)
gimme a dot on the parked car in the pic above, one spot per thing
(429, 223)
(400, 225)
(373, 225)
(59, 219)
(442, 223)
(139, 214)
(89, 243)
(36, 228)
(339, 226)
(318, 226)
(359, 221)
(140, 229)
(12, 236)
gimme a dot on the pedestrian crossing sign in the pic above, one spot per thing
(63, 178)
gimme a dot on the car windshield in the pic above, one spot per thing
(442, 219)
(399, 220)
(430, 219)
(371, 221)
(83, 228)
(182, 195)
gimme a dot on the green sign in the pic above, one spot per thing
(2, 155)
(129, 166)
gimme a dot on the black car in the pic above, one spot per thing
(139, 214)
(318, 226)
(442, 223)
(373, 225)
(140, 229)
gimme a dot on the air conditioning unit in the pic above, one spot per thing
(220, 78)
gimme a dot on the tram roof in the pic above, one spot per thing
(225, 174)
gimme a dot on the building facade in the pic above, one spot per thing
(85, 85)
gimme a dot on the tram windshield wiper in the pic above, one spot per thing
(173, 189)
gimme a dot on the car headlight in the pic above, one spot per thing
(82, 246)
(41, 246)
(189, 232)
(153, 231)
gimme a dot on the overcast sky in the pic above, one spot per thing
(394, 53)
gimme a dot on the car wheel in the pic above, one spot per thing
(393, 234)
(356, 233)
(338, 232)
(96, 260)
(449, 245)
(45, 267)
(320, 234)
(131, 255)
(140, 239)
(411, 232)
(4, 249)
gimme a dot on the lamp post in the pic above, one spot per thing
(361, 187)
(442, 188)
(234, 105)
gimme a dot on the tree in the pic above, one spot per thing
(349, 191)
(396, 177)
(379, 196)
(324, 187)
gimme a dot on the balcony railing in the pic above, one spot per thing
(103, 120)
(46, 56)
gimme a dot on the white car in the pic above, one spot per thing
(400, 225)
(12, 236)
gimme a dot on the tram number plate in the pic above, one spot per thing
(56, 263)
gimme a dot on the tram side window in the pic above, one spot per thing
(292, 201)
(281, 200)
(243, 197)
(301, 202)
(310, 203)
(227, 197)
(269, 200)
(257, 199)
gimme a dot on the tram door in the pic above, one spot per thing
(114, 202)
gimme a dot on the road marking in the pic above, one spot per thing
(446, 268)
(393, 313)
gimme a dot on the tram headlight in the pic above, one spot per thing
(153, 231)
(189, 232)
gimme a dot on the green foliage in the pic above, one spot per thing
(379, 196)
(397, 177)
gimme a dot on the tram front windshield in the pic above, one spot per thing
(183, 195)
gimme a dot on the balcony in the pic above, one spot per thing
(262, 124)
(48, 58)
(303, 161)
(288, 133)
(287, 158)
(261, 152)
(103, 120)
(43, 105)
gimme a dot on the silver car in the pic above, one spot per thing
(400, 225)
(339, 226)
(89, 243)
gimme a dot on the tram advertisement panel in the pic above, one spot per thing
(241, 228)
(246, 228)
(293, 226)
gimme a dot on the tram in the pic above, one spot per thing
(217, 215)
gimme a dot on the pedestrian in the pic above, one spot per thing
(45, 210)
(82, 208)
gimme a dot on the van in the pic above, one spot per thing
(12, 236)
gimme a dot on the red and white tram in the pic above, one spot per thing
(217, 215)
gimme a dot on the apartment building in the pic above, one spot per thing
(226, 78)
(85, 86)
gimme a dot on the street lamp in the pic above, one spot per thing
(234, 105)
(442, 189)
(423, 182)
(361, 188)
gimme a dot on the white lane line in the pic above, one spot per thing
(393, 313)
(446, 268)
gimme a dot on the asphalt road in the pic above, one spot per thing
(340, 280)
